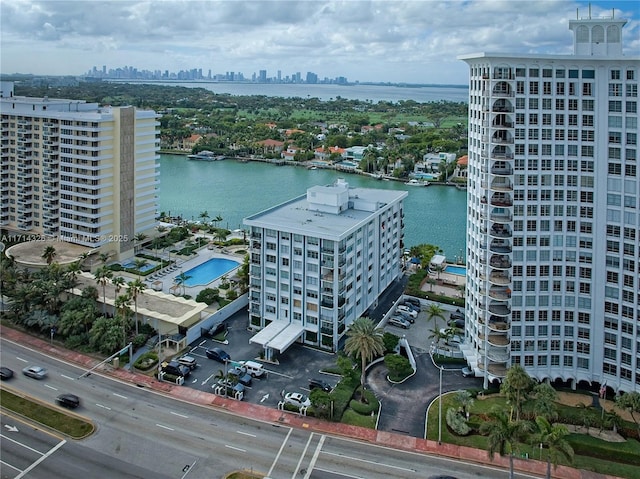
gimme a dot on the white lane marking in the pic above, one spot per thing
(179, 415)
(235, 448)
(338, 473)
(42, 458)
(21, 444)
(9, 465)
(314, 459)
(246, 433)
(120, 396)
(304, 453)
(279, 452)
(188, 469)
(103, 407)
(50, 387)
(20, 359)
(68, 377)
(165, 427)
(369, 462)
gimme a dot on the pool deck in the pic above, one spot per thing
(166, 283)
(448, 286)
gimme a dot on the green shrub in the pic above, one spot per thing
(208, 296)
(390, 341)
(342, 394)
(627, 452)
(77, 342)
(139, 340)
(371, 406)
(399, 367)
(457, 422)
(355, 419)
(146, 361)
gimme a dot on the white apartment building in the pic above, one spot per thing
(77, 172)
(319, 261)
(553, 228)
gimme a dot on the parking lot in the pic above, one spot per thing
(291, 373)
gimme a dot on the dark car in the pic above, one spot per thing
(457, 314)
(467, 372)
(319, 384)
(176, 369)
(240, 375)
(68, 400)
(5, 373)
(411, 306)
(227, 388)
(218, 354)
(407, 317)
(414, 302)
(457, 323)
(216, 329)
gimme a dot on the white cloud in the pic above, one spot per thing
(401, 41)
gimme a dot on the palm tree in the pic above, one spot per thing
(121, 304)
(516, 387)
(139, 238)
(204, 216)
(553, 438)
(435, 311)
(102, 275)
(104, 257)
(364, 340)
(217, 220)
(140, 264)
(221, 235)
(118, 283)
(134, 289)
(503, 434)
(181, 280)
(49, 254)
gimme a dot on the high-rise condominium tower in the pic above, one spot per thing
(553, 226)
(78, 172)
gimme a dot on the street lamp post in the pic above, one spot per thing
(440, 409)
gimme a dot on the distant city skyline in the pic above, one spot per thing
(194, 74)
(413, 41)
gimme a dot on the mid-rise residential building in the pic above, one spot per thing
(553, 228)
(78, 172)
(319, 261)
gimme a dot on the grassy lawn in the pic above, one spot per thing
(70, 425)
(581, 442)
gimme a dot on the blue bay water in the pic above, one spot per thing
(234, 190)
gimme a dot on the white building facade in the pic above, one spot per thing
(319, 261)
(78, 172)
(553, 227)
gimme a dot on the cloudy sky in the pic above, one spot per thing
(413, 41)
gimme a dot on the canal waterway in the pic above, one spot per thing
(234, 190)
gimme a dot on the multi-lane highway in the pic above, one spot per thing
(142, 434)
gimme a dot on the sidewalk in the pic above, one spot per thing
(267, 414)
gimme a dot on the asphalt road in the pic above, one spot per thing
(141, 433)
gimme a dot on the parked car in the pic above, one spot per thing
(255, 369)
(225, 387)
(176, 369)
(414, 301)
(188, 361)
(296, 399)
(240, 374)
(411, 306)
(218, 354)
(457, 323)
(68, 400)
(407, 310)
(457, 314)
(35, 372)
(398, 322)
(467, 372)
(319, 384)
(405, 316)
(5, 373)
(216, 329)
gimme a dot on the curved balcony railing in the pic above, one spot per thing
(504, 171)
(499, 324)
(499, 308)
(501, 184)
(501, 200)
(502, 139)
(499, 340)
(501, 154)
(497, 370)
(499, 292)
(498, 355)
(498, 231)
(500, 216)
(500, 247)
(500, 261)
(499, 278)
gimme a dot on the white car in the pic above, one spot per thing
(407, 310)
(296, 399)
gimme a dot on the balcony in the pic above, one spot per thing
(501, 199)
(501, 153)
(500, 231)
(500, 261)
(502, 170)
(500, 278)
(498, 324)
(497, 354)
(500, 293)
(501, 184)
(497, 370)
(499, 308)
(499, 215)
(500, 246)
(502, 139)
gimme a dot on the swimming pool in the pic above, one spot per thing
(208, 271)
(459, 270)
(425, 176)
(132, 265)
